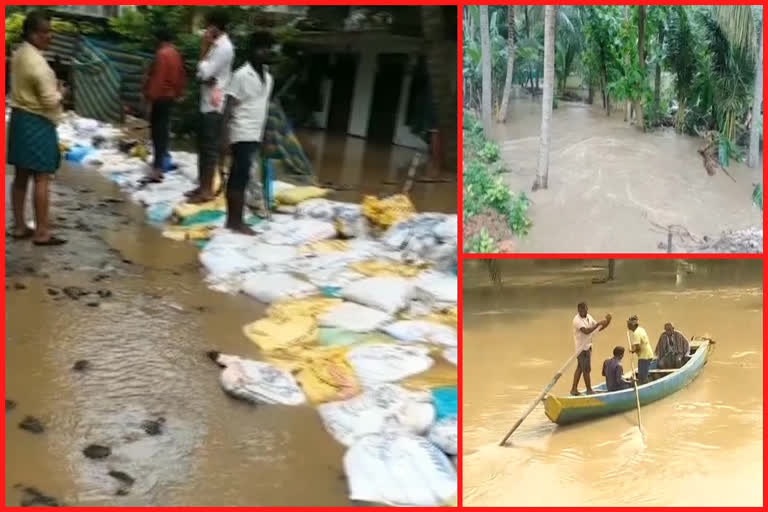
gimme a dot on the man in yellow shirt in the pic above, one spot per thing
(641, 346)
(33, 144)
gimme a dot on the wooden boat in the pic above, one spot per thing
(564, 410)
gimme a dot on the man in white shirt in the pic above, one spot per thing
(214, 72)
(584, 327)
(245, 116)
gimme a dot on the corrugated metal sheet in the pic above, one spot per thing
(96, 84)
(131, 66)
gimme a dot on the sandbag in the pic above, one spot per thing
(439, 376)
(334, 336)
(312, 307)
(222, 261)
(324, 375)
(258, 382)
(451, 355)
(445, 400)
(444, 435)
(399, 469)
(181, 233)
(379, 268)
(184, 210)
(385, 408)
(347, 218)
(275, 333)
(388, 211)
(296, 195)
(416, 331)
(353, 317)
(298, 232)
(379, 363)
(267, 287)
(324, 246)
(388, 294)
(437, 287)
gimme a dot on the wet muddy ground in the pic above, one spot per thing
(105, 352)
(703, 444)
(615, 189)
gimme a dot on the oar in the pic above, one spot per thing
(539, 398)
(637, 393)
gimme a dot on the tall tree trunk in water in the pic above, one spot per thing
(511, 40)
(611, 268)
(542, 173)
(485, 47)
(591, 93)
(638, 103)
(493, 272)
(754, 134)
(442, 76)
(628, 105)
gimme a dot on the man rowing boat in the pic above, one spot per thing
(584, 327)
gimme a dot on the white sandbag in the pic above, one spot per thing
(385, 408)
(389, 294)
(354, 317)
(379, 363)
(258, 382)
(268, 287)
(399, 469)
(299, 232)
(444, 435)
(226, 261)
(348, 218)
(451, 355)
(437, 287)
(420, 331)
(270, 255)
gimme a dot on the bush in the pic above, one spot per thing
(489, 153)
(482, 244)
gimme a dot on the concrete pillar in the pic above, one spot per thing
(363, 95)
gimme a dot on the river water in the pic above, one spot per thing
(615, 189)
(146, 347)
(703, 444)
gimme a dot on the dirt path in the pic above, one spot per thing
(615, 189)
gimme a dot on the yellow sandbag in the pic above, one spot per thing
(311, 307)
(324, 246)
(276, 333)
(296, 195)
(378, 268)
(182, 233)
(184, 210)
(388, 211)
(139, 151)
(440, 375)
(324, 374)
(446, 317)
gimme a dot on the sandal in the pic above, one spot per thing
(28, 233)
(192, 193)
(52, 241)
(146, 180)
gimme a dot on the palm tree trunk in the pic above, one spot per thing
(628, 105)
(641, 61)
(442, 75)
(485, 45)
(511, 40)
(657, 82)
(754, 134)
(542, 173)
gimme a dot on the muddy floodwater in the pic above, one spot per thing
(144, 328)
(703, 444)
(615, 189)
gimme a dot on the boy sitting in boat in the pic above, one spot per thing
(612, 371)
(672, 348)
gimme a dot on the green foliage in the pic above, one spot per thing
(489, 153)
(726, 151)
(757, 195)
(482, 244)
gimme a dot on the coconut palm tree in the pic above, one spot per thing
(511, 40)
(485, 43)
(542, 172)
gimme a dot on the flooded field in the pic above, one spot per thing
(615, 189)
(703, 445)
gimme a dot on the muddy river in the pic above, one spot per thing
(703, 444)
(144, 337)
(615, 189)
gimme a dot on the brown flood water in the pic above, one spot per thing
(146, 346)
(703, 444)
(611, 186)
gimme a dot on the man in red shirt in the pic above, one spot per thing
(164, 85)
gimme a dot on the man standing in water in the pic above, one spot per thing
(641, 346)
(33, 143)
(584, 327)
(214, 72)
(245, 116)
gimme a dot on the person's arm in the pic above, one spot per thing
(217, 60)
(181, 79)
(48, 90)
(659, 346)
(231, 101)
(686, 344)
(602, 324)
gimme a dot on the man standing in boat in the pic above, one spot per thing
(641, 346)
(671, 348)
(584, 327)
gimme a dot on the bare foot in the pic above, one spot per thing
(200, 198)
(242, 229)
(192, 193)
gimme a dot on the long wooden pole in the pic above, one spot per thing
(637, 393)
(539, 398)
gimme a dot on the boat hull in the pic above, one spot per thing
(573, 409)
